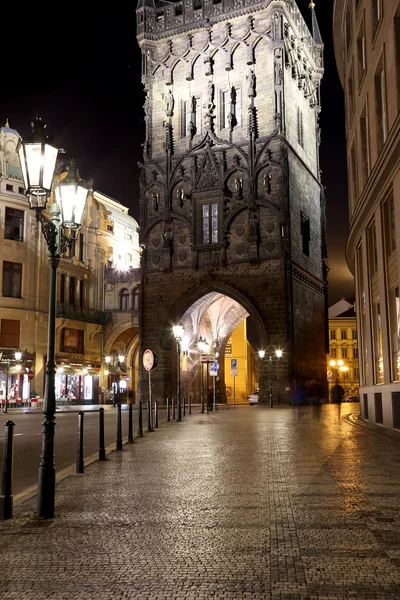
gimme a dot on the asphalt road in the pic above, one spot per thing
(28, 440)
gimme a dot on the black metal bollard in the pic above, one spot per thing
(6, 497)
(148, 416)
(140, 419)
(119, 428)
(102, 449)
(155, 413)
(130, 430)
(168, 409)
(184, 405)
(190, 405)
(80, 467)
(173, 407)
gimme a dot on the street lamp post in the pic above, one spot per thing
(38, 160)
(178, 333)
(114, 363)
(278, 354)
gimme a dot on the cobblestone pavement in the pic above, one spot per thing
(252, 503)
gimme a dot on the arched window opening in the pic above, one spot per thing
(135, 299)
(124, 299)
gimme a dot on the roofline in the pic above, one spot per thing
(338, 9)
(114, 203)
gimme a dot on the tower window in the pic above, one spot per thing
(305, 233)
(231, 108)
(300, 128)
(191, 116)
(209, 223)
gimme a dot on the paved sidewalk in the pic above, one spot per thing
(253, 503)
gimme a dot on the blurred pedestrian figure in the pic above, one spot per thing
(337, 394)
(210, 398)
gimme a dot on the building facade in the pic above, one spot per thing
(87, 295)
(232, 207)
(367, 42)
(342, 360)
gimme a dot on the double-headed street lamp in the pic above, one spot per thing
(38, 158)
(202, 347)
(278, 354)
(8, 360)
(178, 333)
(339, 366)
(113, 363)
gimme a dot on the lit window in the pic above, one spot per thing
(210, 223)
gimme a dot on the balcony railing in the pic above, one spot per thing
(90, 315)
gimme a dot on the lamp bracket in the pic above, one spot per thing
(50, 232)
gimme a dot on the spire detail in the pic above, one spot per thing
(316, 33)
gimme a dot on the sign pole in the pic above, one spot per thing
(215, 408)
(233, 374)
(149, 363)
(150, 418)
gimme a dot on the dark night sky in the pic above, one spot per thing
(82, 75)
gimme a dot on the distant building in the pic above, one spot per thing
(343, 349)
(367, 42)
(88, 295)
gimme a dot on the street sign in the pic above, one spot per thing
(149, 360)
(30, 375)
(207, 358)
(233, 367)
(214, 369)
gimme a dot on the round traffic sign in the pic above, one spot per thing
(30, 375)
(149, 360)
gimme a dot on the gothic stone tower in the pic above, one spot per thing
(232, 207)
